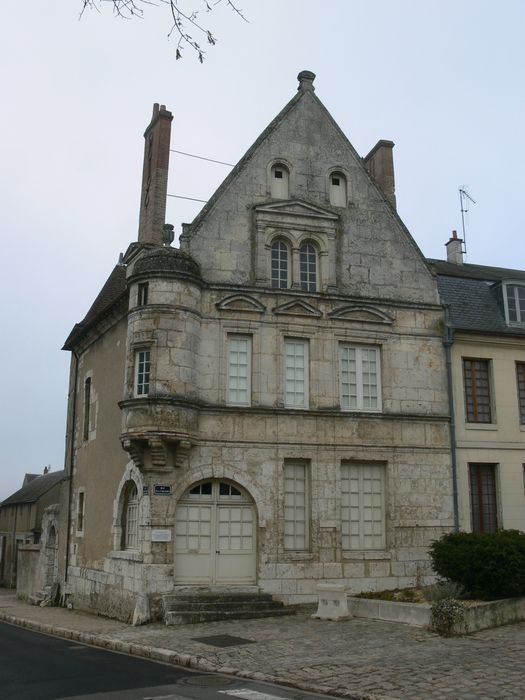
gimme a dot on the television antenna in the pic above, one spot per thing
(464, 199)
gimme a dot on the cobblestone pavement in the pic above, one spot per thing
(356, 658)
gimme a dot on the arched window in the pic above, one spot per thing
(279, 181)
(308, 267)
(130, 516)
(280, 265)
(338, 196)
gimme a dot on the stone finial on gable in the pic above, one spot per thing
(306, 80)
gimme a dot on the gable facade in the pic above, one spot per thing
(276, 413)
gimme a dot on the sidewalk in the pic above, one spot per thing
(361, 659)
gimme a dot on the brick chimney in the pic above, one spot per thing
(155, 176)
(454, 248)
(380, 164)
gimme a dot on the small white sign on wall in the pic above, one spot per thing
(161, 535)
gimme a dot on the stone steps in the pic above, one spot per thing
(205, 606)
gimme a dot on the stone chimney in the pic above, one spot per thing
(454, 248)
(380, 164)
(155, 176)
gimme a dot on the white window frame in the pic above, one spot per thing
(296, 515)
(520, 309)
(278, 279)
(295, 399)
(230, 390)
(131, 516)
(360, 399)
(307, 248)
(141, 387)
(359, 506)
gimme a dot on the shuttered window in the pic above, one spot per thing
(362, 506)
(520, 373)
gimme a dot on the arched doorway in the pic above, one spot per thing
(215, 535)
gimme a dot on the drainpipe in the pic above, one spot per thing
(69, 462)
(448, 341)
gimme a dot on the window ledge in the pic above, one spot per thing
(481, 426)
(367, 554)
(127, 554)
(297, 556)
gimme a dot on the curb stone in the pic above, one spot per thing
(170, 657)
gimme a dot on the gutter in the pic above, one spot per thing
(69, 462)
(448, 341)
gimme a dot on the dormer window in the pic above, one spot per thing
(338, 196)
(515, 303)
(279, 181)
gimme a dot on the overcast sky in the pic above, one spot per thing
(443, 80)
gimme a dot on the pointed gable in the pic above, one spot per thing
(368, 251)
(297, 308)
(241, 302)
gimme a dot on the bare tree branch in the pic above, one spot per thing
(183, 21)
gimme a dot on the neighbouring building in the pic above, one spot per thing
(267, 404)
(21, 516)
(486, 340)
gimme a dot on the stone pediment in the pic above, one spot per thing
(297, 308)
(360, 314)
(296, 207)
(241, 302)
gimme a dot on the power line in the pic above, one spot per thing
(192, 155)
(192, 199)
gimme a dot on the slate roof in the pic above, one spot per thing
(474, 296)
(36, 488)
(113, 290)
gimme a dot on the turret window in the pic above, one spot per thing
(142, 296)
(142, 372)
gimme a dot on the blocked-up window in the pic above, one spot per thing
(483, 500)
(476, 377)
(239, 369)
(142, 372)
(520, 374)
(362, 506)
(359, 378)
(279, 181)
(338, 196)
(296, 373)
(87, 408)
(296, 506)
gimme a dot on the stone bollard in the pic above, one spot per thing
(333, 603)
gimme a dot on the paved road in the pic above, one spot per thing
(36, 666)
(356, 658)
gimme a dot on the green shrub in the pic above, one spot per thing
(485, 565)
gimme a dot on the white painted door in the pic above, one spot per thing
(215, 535)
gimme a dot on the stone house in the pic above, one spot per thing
(266, 405)
(21, 516)
(486, 347)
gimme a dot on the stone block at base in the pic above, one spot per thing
(333, 603)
